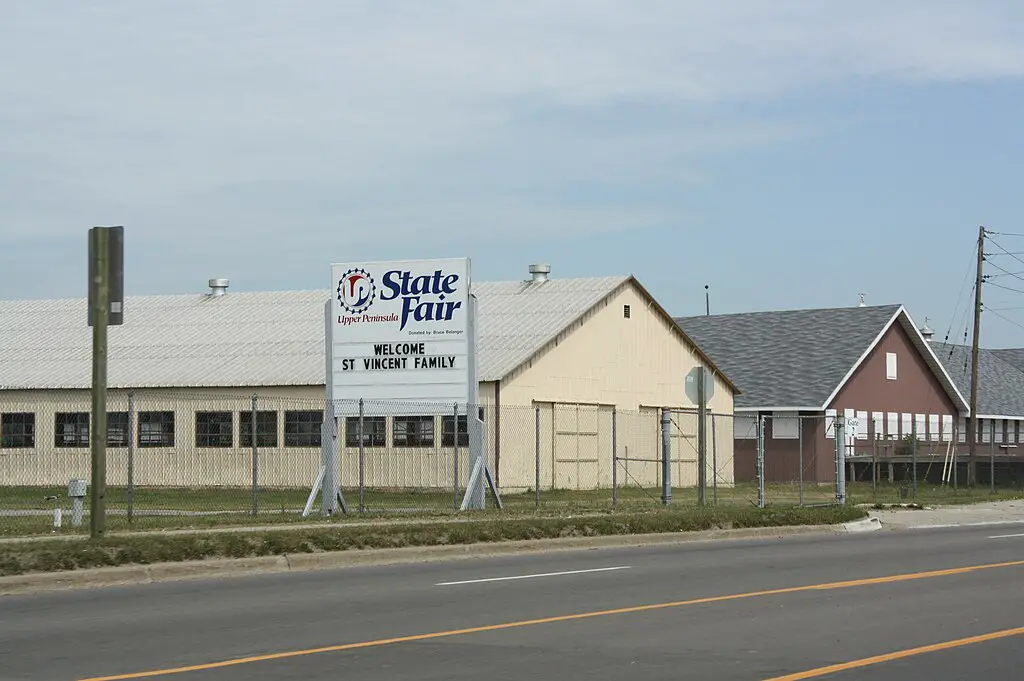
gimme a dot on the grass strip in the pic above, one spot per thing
(52, 556)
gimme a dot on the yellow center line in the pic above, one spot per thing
(890, 579)
(898, 655)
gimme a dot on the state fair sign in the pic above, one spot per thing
(401, 331)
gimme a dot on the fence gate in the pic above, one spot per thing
(582, 436)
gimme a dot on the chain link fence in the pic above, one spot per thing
(194, 460)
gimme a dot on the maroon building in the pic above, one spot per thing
(800, 368)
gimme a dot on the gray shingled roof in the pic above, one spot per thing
(1014, 356)
(257, 338)
(794, 358)
(1000, 377)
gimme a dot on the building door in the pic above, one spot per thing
(581, 447)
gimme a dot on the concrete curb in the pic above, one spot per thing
(304, 562)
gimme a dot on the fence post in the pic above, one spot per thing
(615, 462)
(840, 430)
(800, 447)
(760, 460)
(913, 456)
(255, 457)
(666, 457)
(992, 457)
(536, 456)
(714, 461)
(362, 458)
(874, 467)
(455, 456)
(131, 455)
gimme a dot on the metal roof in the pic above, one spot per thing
(256, 338)
(800, 358)
(1000, 377)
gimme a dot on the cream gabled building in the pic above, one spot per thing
(591, 360)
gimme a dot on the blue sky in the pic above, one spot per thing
(788, 154)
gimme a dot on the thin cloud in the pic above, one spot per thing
(233, 117)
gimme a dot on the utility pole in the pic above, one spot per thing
(972, 423)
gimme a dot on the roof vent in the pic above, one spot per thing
(218, 287)
(926, 330)
(862, 303)
(539, 272)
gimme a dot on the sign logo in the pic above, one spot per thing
(356, 291)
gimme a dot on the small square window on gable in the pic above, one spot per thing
(890, 366)
(625, 311)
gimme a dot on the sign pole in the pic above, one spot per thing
(401, 339)
(105, 309)
(99, 260)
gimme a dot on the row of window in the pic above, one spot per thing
(216, 429)
(884, 425)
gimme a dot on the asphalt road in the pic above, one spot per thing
(763, 609)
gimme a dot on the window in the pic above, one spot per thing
(302, 428)
(985, 426)
(878, 425)
(414, 431)
(744, 427)
(906, 424)
(448, 431)
(890, 366)
(962, 429)
(862, 425)
(625, 311)
(266, 429)
(920, 426)
(18, 431)
(214, 429)
(830, 424)
(933, 427)
(785, 425)
(947, 427)
(117, 429)
(156, 429)
(71, 429)
(375, 431)
(892, 429)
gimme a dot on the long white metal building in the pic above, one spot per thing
(595, 358)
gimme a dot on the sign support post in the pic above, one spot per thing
(106, 300)
(401, 342)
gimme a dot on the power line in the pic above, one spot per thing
(1005, 318)
(967, 276)
(1002, 233)
(1005, 273)
(1005, 288)
(1006, 252)
(963, 322)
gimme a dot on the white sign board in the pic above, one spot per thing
(400, 331)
